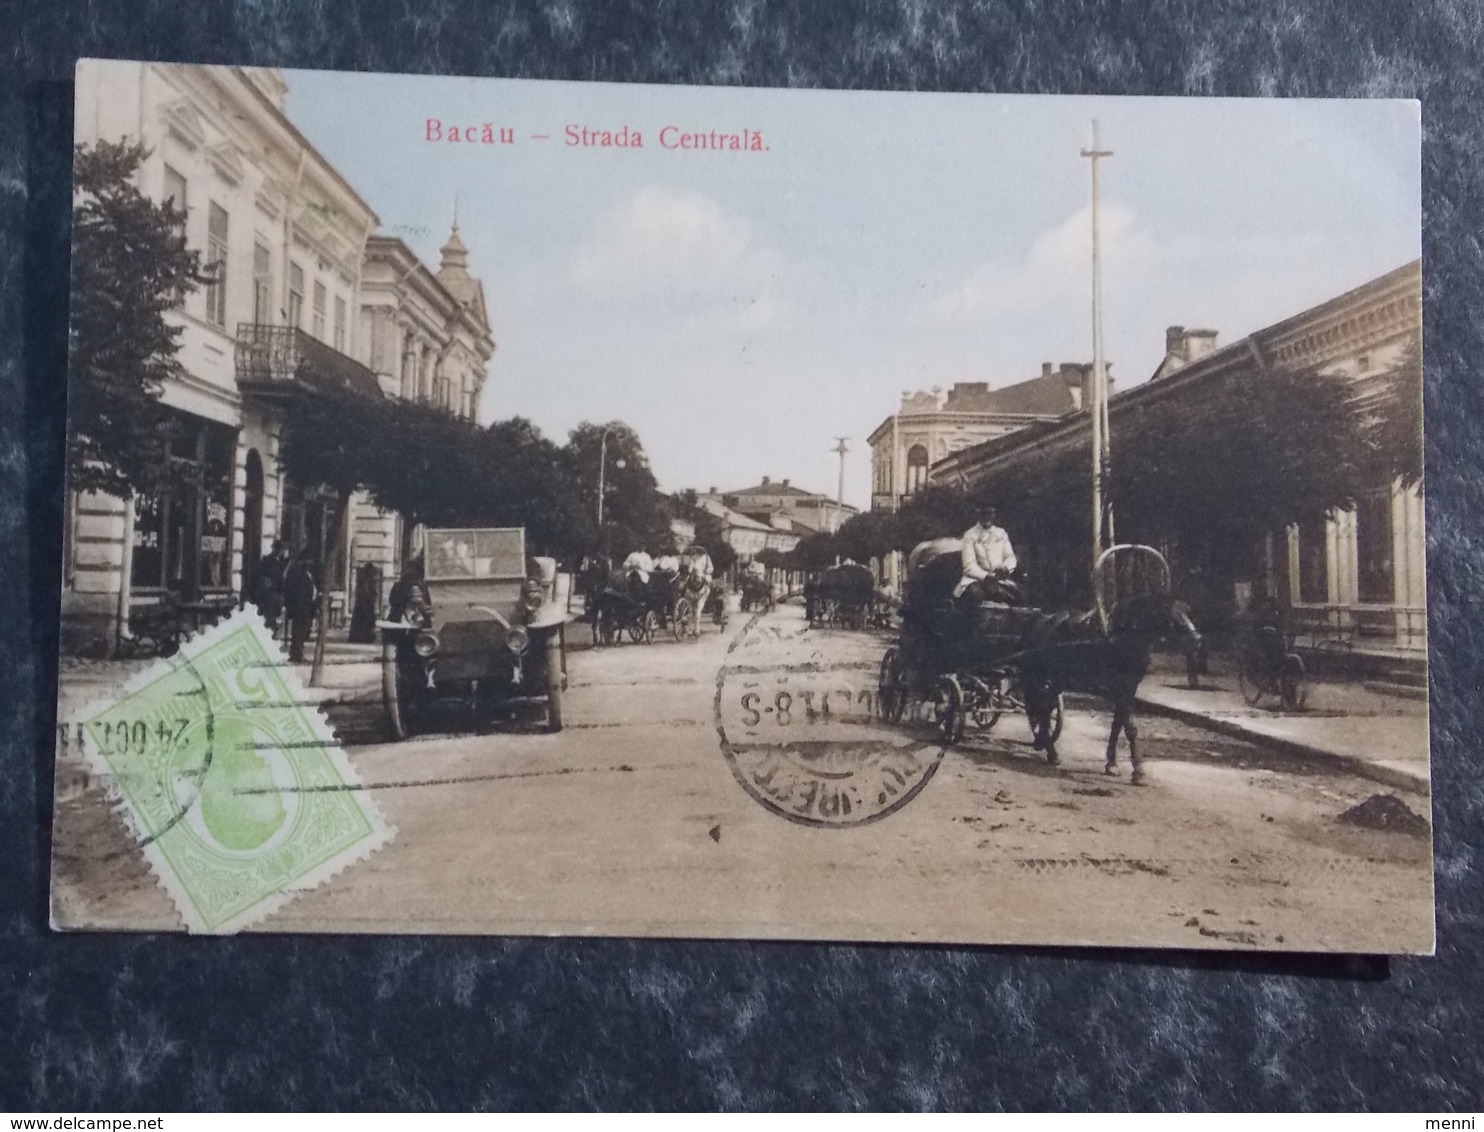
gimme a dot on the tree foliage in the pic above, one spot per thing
(130, 268)
(434, 468)
(636, 515)
(1397, 420)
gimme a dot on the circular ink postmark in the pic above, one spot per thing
(797, 716)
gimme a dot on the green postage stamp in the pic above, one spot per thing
(233, 783)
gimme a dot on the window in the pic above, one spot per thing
(296, 294)
(182, 538)
(318, 326)
(339, 324)
(917, 467)
(262, 284)
(216, 265)
(175, 193)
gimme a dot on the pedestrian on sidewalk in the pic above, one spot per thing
(271, 573)
(300, 597)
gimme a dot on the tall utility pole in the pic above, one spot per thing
(840, 449)
(1102, 509)
(840, 491)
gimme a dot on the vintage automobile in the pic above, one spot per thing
(482, 637)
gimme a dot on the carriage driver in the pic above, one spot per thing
(987, 556)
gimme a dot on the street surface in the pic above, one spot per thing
(631, 822)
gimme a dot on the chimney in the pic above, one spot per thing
(1045, 369)
(1187, 345)
(766, 481)
(785, 481)
(711, 490)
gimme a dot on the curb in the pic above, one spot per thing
(1353, 764)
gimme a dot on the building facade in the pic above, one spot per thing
(784, 507)
(428, 339)
(302, 294)
(1355, 576)
(931, 426)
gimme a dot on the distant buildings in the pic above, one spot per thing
(772, 515)
(930, 427)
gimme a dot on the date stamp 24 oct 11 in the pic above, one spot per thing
(231, 781)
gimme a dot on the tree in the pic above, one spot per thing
(130, 268)
(865, 536)
(1211, 471)
(935, 511)
(1396, 423)
(636, 515)
(432, 468)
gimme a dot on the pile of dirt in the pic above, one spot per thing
(1389, 813)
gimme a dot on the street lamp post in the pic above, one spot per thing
(603, 485)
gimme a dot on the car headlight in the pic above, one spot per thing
(517, 640)
(532, 598)
(425, 644)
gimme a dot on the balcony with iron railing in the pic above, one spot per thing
(278, 360)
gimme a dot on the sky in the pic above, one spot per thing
(743, 309)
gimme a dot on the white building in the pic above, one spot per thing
(285, 235)
(428, 340)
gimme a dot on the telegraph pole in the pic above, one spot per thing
(1102, 510)
(840, 491)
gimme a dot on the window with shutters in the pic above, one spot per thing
(296, 295)
(216, 265)
(318, 327)
(175, 193)
(339, 324)
(262, 284)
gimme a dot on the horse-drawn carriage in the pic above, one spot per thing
(480, 635)
(844, 596)
(756, 594)
(641, 608)
(956, 665)
(962, 667)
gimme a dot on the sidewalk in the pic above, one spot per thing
(1380, 737)
(350, 672)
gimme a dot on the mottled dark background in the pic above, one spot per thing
(168, 1023)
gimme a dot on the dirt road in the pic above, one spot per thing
(631, 822)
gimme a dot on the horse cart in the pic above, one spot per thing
(1001, 656)
(957, 666)
(633, 606)
(844, 597)
(480, 637)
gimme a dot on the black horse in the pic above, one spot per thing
(1074, 654)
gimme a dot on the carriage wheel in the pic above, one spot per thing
(1252, 680)
(642, 631)
(1293, 687)
(891, 687)
(951, 710)
(1058, 717)
(679, 616)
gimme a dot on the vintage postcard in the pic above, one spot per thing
(554, 508)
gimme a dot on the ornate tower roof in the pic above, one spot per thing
(453, 273)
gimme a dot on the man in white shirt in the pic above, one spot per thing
(987, 555)
(637, 567)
